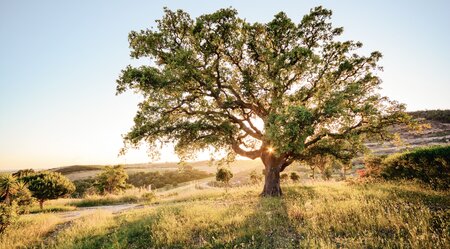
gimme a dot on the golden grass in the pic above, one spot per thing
(29, 230)
(320, 215)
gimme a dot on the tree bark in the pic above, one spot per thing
(272, 182)
(41, 204)
(273, 165)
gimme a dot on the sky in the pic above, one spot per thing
(59, 61)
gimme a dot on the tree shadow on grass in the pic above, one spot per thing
(266, 225)
(433, 200)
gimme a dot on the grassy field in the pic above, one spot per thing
(318, 215)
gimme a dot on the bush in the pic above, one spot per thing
(224, 175)
(148, 197)
(373, 165)
(294, 177)
(8, 215)
(84, 187)
(255, 178)
(430, 165)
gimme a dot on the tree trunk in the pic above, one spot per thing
(273, 167)
(272, 182)
(41, 204)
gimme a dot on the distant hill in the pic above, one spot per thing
(442, 116)
(437, 134)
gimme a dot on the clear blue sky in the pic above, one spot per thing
(59, 62)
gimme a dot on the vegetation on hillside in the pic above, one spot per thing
(433, 115)
(165, 178)
(430, 165)
(112, 180)
(77, 168)
(323, 215)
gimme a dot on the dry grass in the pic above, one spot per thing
(320, 215)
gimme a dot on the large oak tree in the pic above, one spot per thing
(278, 91)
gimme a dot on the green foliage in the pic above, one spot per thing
(149, 196)
(23, 172)
(8, 187)
(373, 165)
(294, 177)
(289, 130)
(165, 178)
(434, 115)
(224, 175)
(13, 190)
(255, 178)
(45, 185)
(8, 215)
(103, 200)
(23, 197)
(84, 187)
(112, 180)
(213, 78)
(430, 165)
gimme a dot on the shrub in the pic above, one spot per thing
(224, 175)
(430, 165)
(23, 197)
(373, 165)
(255, 178)
(84, 187)
(148, 197)
(294, 177)
(8, 215)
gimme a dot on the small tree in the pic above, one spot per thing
(255, 178)
(8, 187)
(323, 163)
(23, 197)
(47, 185)
(112, 180)
(224, 175)
(295, 177)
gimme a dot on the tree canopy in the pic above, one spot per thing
(46, 185)
(112, 180)
(279, 91)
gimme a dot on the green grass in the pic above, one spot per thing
(92, 201)
(51, 209)
(322, 215)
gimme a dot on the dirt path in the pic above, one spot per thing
(70, 215)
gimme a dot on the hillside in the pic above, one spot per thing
(437, 134)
